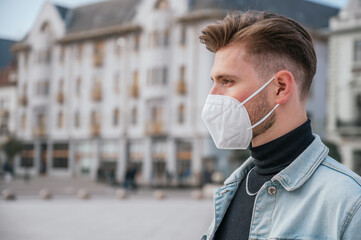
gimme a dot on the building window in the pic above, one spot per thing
(183, 35)
(116, 84)
(164, 76)
(44, 56)
(181, 84)
(98, 56)
(61, 85)
(166, 38)
(79, 51)
(41, 118)
(159, 38)
(137, 41)
(26, 58)
(135, 85)
(95, 118)
(42, 88)
(115, 117)
(78, 86)
(118, 44)
(60, 119)
(62, 54)
(184, 157)
(45, 27)
(159, 156)
(357, 161)
(77, 119)
(357, 51)
(23, 121)
(161, 5)
(181, 113)
(157, 76)
(60, 156)
(358, 107)
(96, 92)
(134, 116)
(27, 156)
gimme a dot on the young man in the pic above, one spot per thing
(289, 188)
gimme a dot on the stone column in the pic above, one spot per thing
(122, 160)
(49, 156)
(72, 164)
(196, 160)
(37, 156)
(96, 154)
(147, 164)
(171, 156)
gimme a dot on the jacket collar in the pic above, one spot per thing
(297, 173)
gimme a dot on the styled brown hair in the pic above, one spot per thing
(272, 43)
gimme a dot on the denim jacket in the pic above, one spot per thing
(315, 197)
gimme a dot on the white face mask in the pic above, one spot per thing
(228, 121)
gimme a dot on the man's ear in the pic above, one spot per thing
(283, 83)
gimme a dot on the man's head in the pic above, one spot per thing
(251, 48)
(272, 43)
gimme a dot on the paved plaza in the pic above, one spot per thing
(103, 216)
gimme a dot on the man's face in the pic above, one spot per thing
(235, 77)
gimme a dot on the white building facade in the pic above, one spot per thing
(116, 84)
(344, 93)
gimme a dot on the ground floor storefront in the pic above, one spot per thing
(153, 161)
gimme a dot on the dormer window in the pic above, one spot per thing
(45, 27)
(161, 5)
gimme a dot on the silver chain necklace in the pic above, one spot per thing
(248, 192)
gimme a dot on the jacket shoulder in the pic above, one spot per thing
(339, 174)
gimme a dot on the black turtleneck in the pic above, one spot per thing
(269, 159)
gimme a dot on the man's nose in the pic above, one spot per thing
(215, 90)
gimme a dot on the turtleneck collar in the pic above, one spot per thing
(272, 157)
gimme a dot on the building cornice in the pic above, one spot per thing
(20, 47)
(201, 15)
(100, 33)
(346, 30)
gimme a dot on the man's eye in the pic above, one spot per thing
(225, 81)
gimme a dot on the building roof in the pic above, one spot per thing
(5, 53)
(309, 14)
(102, 14)
(62, 11)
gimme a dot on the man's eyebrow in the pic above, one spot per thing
(222, 76)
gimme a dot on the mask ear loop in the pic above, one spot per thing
(256, 92)
(264, 118)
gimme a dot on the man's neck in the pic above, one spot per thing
(280, 128)
(272, 157)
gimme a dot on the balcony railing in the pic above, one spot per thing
(181, 87)
(95, 130)
(96, 94)
(39, 131)
(154, 128)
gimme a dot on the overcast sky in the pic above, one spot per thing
(17, 16)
